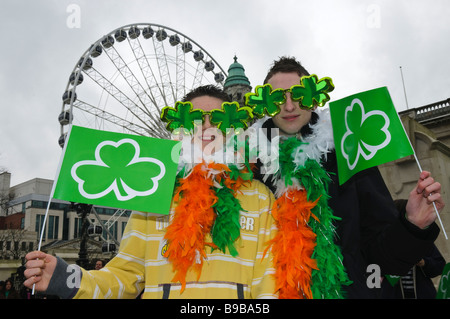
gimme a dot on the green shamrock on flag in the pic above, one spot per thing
(366, 133)
(265, 100)
(118, 170)
(231, 116)
(121, 169)
(443, 291)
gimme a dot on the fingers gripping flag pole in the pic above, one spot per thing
(52, 192)
(420, 169)
(368, 132)
(43, 225)
(434, 204)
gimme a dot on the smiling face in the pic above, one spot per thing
(291, 117)
(209, 132)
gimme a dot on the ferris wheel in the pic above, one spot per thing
(125, 78)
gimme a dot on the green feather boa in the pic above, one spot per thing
(328, 280)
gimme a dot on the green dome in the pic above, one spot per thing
(236, 75)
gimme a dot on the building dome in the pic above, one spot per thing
(237, 84)
(236, 75)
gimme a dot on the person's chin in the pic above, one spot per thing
(205, 147)
(206, 142)
(290, 128)
(209, 148)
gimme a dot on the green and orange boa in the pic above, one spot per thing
(307, 261)
(293, 246)
(206, 204)
(308, 264)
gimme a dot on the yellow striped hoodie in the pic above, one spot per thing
(140, 266)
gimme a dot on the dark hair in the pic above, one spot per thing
(286, 65)
(207, 90)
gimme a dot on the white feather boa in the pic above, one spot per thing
(316, 147)
(191, 154)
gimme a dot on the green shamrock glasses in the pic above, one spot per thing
(310, 93)
(231, 115)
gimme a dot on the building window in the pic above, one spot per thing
(39, 224)
(77, 227)
(53, 227)
(53, 205)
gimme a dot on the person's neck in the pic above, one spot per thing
(286, 135)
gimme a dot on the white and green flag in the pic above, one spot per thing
(118, 170)
(443, 291)
(367, 132)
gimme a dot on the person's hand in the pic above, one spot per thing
(39, 270)
(421, 263)
(420, 209)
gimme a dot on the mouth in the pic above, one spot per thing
(290, 118)
(208, 138)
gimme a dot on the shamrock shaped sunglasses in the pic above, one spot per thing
(310, 93)
(183, 115)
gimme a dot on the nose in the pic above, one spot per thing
(289, 105)
(207, 123)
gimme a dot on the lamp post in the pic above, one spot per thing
(83, 211)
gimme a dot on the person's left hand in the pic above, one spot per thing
(420, 209)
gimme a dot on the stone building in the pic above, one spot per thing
(428, 128)
(22, 216)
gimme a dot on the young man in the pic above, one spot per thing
(368, 233)
(173, 256)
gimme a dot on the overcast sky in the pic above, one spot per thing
(359, 44)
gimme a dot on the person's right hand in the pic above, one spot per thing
(420, 209)
(39, 270)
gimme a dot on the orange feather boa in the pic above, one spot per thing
(194, 217)
(293, 245)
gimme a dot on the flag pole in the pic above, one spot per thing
(52, 193)
(420, 169)
(404, 89)
(44, 223)
(434, 204)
